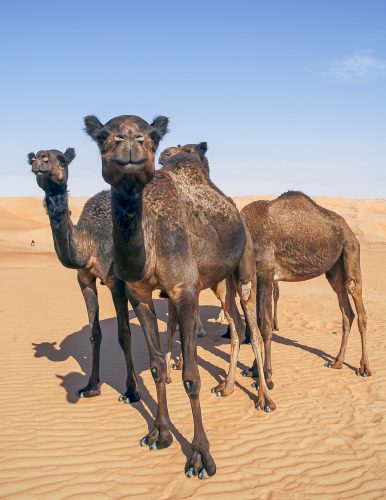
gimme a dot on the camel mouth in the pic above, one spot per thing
(132, 165)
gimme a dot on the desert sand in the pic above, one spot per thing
(326, 439)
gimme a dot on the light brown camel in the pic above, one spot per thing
(173, 230)
(87, 247)
(296, 240)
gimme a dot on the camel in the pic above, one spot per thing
(86, 247)
(199, 151)
(296, 239)
(174, 230)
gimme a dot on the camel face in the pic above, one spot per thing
(199, 150)
(168, 153)
(51, 166)
(127, 145)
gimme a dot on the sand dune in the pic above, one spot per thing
(327, 438)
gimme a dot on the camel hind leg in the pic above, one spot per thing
(226, 292)
(245, 278)
(336, 278)
(353, 283)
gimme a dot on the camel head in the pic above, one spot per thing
(51, 167)
(168, 153)
(127, 144)
(197, 150)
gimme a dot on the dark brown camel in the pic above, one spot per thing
(198, 151)
(86, 247)
(173, 230)
(296, 240)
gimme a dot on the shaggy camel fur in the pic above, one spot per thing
(86, 247)
(173, 230)
(296, 240)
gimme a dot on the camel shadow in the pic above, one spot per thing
(328, 358)
(112, 366)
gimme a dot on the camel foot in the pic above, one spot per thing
(337, 365)
(89, 391)
(178, 365)
(200, 464)
(201, 333)
(265, 403)
(364, 372)
(157, 439)
(222, 389)
(130, 396)
(269, 383)
(250, 372)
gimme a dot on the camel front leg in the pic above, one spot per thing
(119, 295)
(160, 436)
(200, 463)
(87, 283)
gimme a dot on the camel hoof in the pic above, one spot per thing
(364, 374)
(189, 473)
(268, 409)
(213, 390)
(203, 474)
(218, 394)
(130, 397)
(143, 442)
(255, 385)
(201, 333)
(258, 408)
(174, 367)
(327, 365)
(87, 392)
(153, 446)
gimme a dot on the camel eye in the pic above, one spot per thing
(44, 158)
(61, 159)
(140, 138)
(102, 137)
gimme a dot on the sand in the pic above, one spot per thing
(326, 439)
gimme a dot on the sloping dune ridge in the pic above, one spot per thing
(326, 439)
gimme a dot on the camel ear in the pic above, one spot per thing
(160, 128)
(202, 148)
(92, 126)
(69, 155)
(31, 157)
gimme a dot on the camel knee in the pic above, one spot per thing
(96, 336)
(245, 290)
(158, 368)
(351, 285)
(192, 386)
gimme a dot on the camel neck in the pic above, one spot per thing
(129, 245)
(63, 230)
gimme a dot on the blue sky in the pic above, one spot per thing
(288, 94)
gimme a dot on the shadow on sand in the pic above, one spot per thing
(112, 366)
